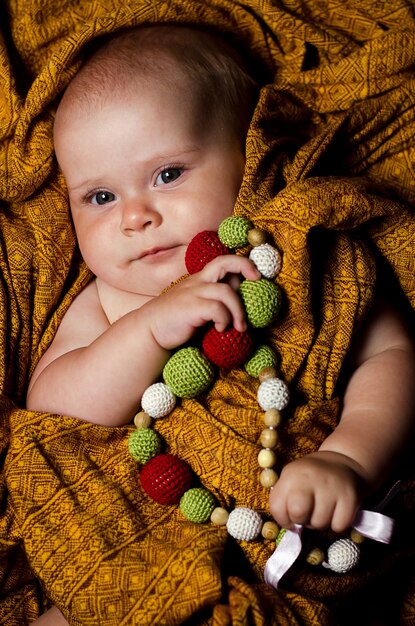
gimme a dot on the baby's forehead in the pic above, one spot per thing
(108, 79)
(79, 116)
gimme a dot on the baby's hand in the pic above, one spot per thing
(320, 490)
(201, 298)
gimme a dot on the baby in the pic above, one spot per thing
(150, 138)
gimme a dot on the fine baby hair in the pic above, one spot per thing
(193, 62)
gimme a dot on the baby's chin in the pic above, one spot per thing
(176, 275)
(150, 282)
(152, 291)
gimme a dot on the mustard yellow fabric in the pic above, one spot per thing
(330, 174)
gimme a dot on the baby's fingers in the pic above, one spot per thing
(322, 514)
(225, 307)
(292, 507)
(219, 268)
(344, 513)
(333, 509)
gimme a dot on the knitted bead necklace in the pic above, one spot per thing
(189, 372)
(166, 478)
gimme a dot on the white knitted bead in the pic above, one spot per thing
(244, 524)
(342, 555)
(158, 400)
(273, 394)
(266, 259)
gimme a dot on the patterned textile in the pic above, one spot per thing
(330, 173)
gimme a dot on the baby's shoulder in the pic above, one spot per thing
(85, 316)
(87, 299)
(82, 323)
(116, 302)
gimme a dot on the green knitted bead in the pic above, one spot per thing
(188, 373)
(280, 535)
(143, 444)
(264, 356)
(262, 300)
(233, 231)
(197, 504)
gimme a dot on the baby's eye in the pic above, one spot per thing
(168, 175)
(102, 197)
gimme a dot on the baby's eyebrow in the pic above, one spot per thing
(176, 155)
(83, 184)
(172, 156)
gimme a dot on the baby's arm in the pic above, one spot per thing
(53, 617)
(98, 372)
(325, 489)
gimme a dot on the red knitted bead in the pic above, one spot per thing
(165, 478)
(228, 349)
(204, 247)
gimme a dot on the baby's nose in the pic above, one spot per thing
(137, 215)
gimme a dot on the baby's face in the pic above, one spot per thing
(142, 182)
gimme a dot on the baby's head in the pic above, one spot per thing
(150, 137)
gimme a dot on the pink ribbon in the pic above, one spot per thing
(370, 524)
(284, 556)
(374, 525)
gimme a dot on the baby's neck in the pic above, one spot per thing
(116, 302)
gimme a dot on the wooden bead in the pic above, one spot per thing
(268, 477)
(272, 418)
(256, 236)
(267, 458)
(142, 420)
(268, 438)
(315, 557)
(219, 516)
(270, 530)
(356, 537)
(267, 372)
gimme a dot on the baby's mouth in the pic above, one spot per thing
(157, 252)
